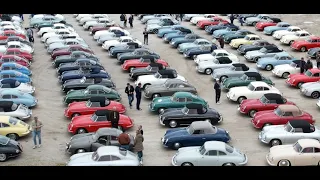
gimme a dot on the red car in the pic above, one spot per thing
(143, 62)
(18, 52)
(91, 123)
(5, 34)
(269, 101)
(306, 44)
(296, 80)
(94, 29)
(14, 59)
(261, 25)
(279, 116)
(69, 50)
(213, 21)
(91, 106)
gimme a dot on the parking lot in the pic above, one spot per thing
(50, 107)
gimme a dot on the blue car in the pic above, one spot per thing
(210, 29)
(221, 32)
(168, 37)
(88, 73)
(189, 38)
(12, 74)
(195, 135)
(16, 67)
(193, 52)
(18, 97)
(171, 29)
(271, 29)
(268, 63)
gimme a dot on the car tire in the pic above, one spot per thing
(266, 124)
(269, 67)
(315, 95)
(131, 69)
(173, 124)
(43, 34)
(80, 151)
(75, 115)
(240, 99)
(146, 85)
(222, 78)
(254, 23)
(13, 136)
(208, 71)
(303, 49)
(110, 48)
(299, 85)
(161, 110)
(177, 145)
(256, 59)
(81, 131)
(228, 164)
(186, 164)
(252, 112)
(284, 162)
(275, 142)
(291, 42)
(156, 95)
(285, 75)
(3, 157)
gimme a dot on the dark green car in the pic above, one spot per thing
(177, 100)
(73, 58)
(245, 80)
(91, 91)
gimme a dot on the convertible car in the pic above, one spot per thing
(136, 54)
(236, 70)
(73, 57)
(16, 85)
(83, 83)
(217, 53)
(130, 65)
(152, 68)
(256, 45)
(84, 72)
(69, 50)
(79, 64)
(285, 70)
(170, 29)
(296, 80)
(15, 67)
(245, 80)
(129, 47)
(189, 38)
(9, 148)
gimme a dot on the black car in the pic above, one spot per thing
(83, 83)
(16, 38)
(210, 29)
(313, 52)
(78, 64)
(256, 45)
(136, 54)
(129, 47)
(73, 57)
(239, 34)
(151, 69)
(8, 148)
(185, 116)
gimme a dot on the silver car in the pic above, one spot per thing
(66, 43)
(236, 70)
(311, 89)
(212, 153)
(288, 134)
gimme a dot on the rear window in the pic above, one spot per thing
(13, 121)
(229, 149)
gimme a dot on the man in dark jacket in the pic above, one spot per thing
(145, 36)
(30, 35)
(318, 59)
(114, 117)
(309, 65)
(302, 66)
(131, 21)
(129, 91)
(221, 42)
(181, 17)
(138, 95)
(217, 88)
(231, 18)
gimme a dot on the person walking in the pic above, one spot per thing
(309, 65)
(30, 35)
(181, 17)
(138, 145)
(231, 18)
(131, 21)
(217, 88)
(221, 42)
(122, 18)
(125, 21)
(302, 65)
(145, 36)
(318, 59)
(21, 16)
(124, 141)
(138, 96)
(129, 91)
(241, 21)
(36, 131)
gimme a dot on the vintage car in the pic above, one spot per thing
(12, 27)
(130, 65)
(13, 128)
(272, 29)
(15, 67)
(268, 101)
(245, 80)
(93, 17)
(129, 47)
(211, 153)
(50, 24)
(189, 38)
(9, 108)
(65, 44)
(16, 38)
(152, 68)
(170, 29)
(168, 88)
(236, 70)
(61, 39)
(163, 22)
(305, 152)
(312, 52)
(108, 37)
(268, 63)
(18, 97)
(97, 22)
(89, 142)
(158, 78)
(196, 19)
(16, 44)
(289, 133)
(69, 50)
(208, 66)
(14, 59)
(177, 100)
(202, 24)
(298, 35)
(154, 16)
(196, 134)
(79, 16)
(53, 28)
(210, 29)
(13, 74)
(306, 44)
(16, 85)
(100, 119)
(91, 91)
(281, 115)
(188, 17)
(285, 70)
(100, 27)
(83, 83)
(194, 52)
(217, 53)
(123, 40)
(136, 54)
(79, 64)
(73, 57)
(58, 33)
(92, 105)
(84, 72)
(5, 34)
(197, 43)
(257, 45)
(290, 30)
(252, 21)
(18, 52)
(263, 24)
(223, 32)
(111, 30)
(105, 156)
(9, 148)
(242, 33)
(180, 34)
(311, 89)
(296, 80)
(35, 22)
(193, 112)
(267, 51)
(248, 39)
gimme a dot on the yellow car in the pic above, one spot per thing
(248, 39)
(13, 127)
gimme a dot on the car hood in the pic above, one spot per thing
(274, 130)
(250, 19)
(81, 158)
(86, 138)
(152, 26)
(282, 32)
(282, 150)
(311, 85)
(269, 114)
(206, 63)
(269, 28)
(172, 34)
(283, 67)
(254, 53)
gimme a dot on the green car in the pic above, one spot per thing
(245, 80)
(177, 100)
(91, 91)
(50, 24)
(35, 22)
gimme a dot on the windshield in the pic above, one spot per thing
(263, 100)
(229, 149)
(190, 129)
(202, 150)
(89, 103)
(149, 68)
(308, 73)
(247, 38)
(244, 77)
(263, 50)
(250, 87)
(185, 110)
(232, 68)
(288, 127)
(94, 117)
(278, 112)
(297, 147)
(157, 75)
(95, 156)
(13, 121)
(4, 140)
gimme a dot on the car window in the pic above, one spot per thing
(212, 153)
(287, 114)
(6, 68)
(4, 125)
(14, 96)
(95, 104)
(316, 150)
(101, 118)
(173, 85)
(259, 89)
(316, 75)
(114, 158)
(251, 78)
(181, 86)
(221, 153)
(114, 138)
(189, 100)
(193, 111)
(105, 158)
(298, 130)
(308, 150)
(266, 89)
(5, 76)
(6, 96)
(182, 99)
(101, 92)
(93, 92)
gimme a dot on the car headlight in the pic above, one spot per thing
(244, 107)
(17, 151)
(258, 120)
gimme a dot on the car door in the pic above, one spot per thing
(5, 129)
(101, 122)
(171, 90)
(114, 140)
(286, 116)
(181, 102)
(293, 136)
(210, 158)
(258, 92)
(317, 155)
(305, 158)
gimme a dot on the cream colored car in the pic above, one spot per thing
(248, 39)
(304, 152)
(290, 38)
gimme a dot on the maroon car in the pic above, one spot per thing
(94, 29)
(69, 50)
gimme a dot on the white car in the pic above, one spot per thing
(82, 15)
(6, 23)
(107, 45)
(155, 16)
(209, 66)
(16, 85)
(105, 156)
(20, 111)
(298, 35)
(54, 28)
(284, 70)
(290, 30)
(196, 19)
(94, 17)
(58, 33)
(59, 16)
(16, 44)
(56, 39)
(16, 18)
(158, 78)
(110, 31)
(98, 22)
(13, 28)
(255, 90)
(215, 54)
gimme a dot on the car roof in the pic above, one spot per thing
(148, 57)
(304, 143)
(166, 72)
(253, 74)
(108, 150)
(259, 83)
(125, 37)
(294, 27)
(177, 81)
(224, 59)
(273, 96)
(289, 107)
(109, 131)
(184, 94)
(252, 35)
(215, 145)
(283, 23)
(314, 70)
(6, 104)
(300, 124)
(8, 81)
(98, 99)
(302, 31)
(240, 65)
(107, 19)
(4, 119)
(314, 37)
(97, 87)
(58, 24)
(283, 53)
(197, 125)
(160, 66)
(102, 112)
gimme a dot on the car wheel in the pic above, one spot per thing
(161, 110)
(110, 48)
(267, 124)
(240, 99)
(256, 59)
(81, 131)
(173, 124)
(36, 25)
(252, 113)
(186, 164)
(205, 27)
(3, 157)
(156, 31)
(284, 162)
(145, 86)
(291, 42)
(43, 33)
(75, 114)
(80, 151)
(275, 142)
(176, 145)
(208, 120)
(131, 69)
(240, 46)
(269, 67)
(156, 95)
(285, 75)
(303, 49)
(315, 95)
(223, 78)
(13, 136)
(208, 71)
(300, 84)
(228, 164)
(254, 23)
